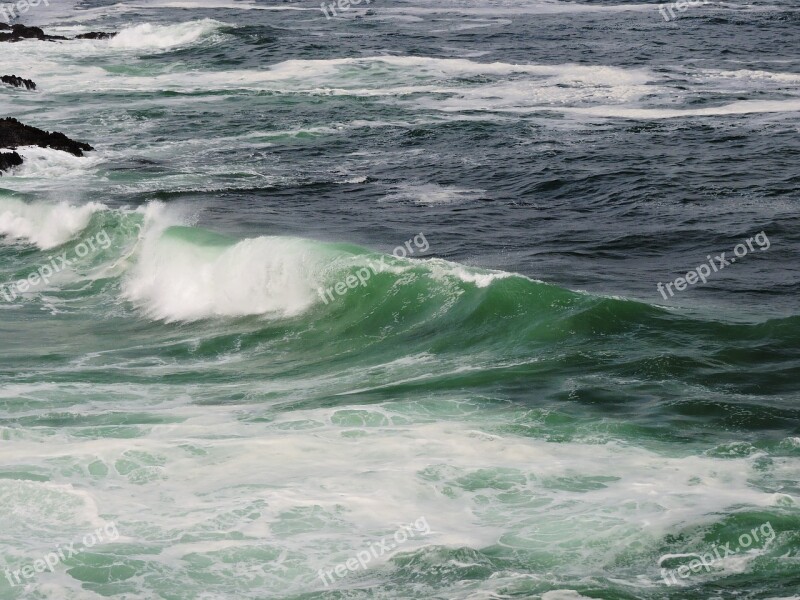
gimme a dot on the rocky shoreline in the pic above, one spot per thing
(14, 134)
(19, 32)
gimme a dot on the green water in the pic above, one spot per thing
(553, 440)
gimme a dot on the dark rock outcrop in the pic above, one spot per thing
(18, 82)
(22, 32)
(95, 35)
(9, 160)
(14, 134)
(15, 33)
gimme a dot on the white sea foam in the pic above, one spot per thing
(375, 76)
(443, 270)
(148, 35)
(44, 224)
(49, 163)
(437, 84)
(306, 487)
(748, 74)
(743, 107)
(175, 279)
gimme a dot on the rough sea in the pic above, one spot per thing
(430, 299)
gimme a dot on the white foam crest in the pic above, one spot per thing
(55, 62)
(189, 275)
(370, 76)
(147, 35)
(49, 163)
(748, 74)
(178, 280)
(529, 96)
(743, 107)
(44, 224)
(443, 269)
(450, 67)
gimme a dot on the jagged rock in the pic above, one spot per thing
(22, 32)
(9, 160)
(18, 82)
(14, 134)
(96, 35)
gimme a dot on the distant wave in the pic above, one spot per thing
(43, 224)
(148, 35)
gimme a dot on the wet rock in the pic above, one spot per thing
(18, 82)
(14, 134)
(9, 160)
(16, 33)
(23, 32)
(96, 35)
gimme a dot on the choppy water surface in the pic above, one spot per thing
(491, 193)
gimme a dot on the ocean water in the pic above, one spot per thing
(368, 306)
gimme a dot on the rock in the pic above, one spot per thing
(96, 35)
(22, 32)
(18, 82)
(14, 134)
(15, 33)
(9, 160)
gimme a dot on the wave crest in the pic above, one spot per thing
(179, 277)
(148, 35)
(45, 225)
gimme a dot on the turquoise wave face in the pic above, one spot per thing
(142, 265)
